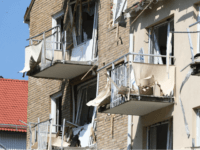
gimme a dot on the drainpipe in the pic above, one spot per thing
(129, 137)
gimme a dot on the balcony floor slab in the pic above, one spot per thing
(62, 70)
(138, 107)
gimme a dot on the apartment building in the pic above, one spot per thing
(111, 73)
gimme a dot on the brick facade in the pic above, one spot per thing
(40, 90)
(108, 51)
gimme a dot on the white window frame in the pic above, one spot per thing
(153, 47)
(54, 23)
(81, 87)
(55, 17)
(169, 136)
(53, 109)
(118, 13)
(198, 128)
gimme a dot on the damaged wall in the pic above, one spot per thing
(109, 50)
(184, 14)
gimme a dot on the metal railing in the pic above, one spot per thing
(55, 41)
(132, 53)
(17, 127)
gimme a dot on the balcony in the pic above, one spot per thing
(50, 55)
(48, 58)
(139, 88)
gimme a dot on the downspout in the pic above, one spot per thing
(73, 99)
(129, 137)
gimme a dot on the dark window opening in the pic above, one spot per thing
(59, 111)
(159, 41)
(87, 112)
(60, 23)
(84, 28)
(160, 135)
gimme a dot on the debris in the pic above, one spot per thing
(82, 133)
(103, 97)
(141, 12)
(158, 72)
(146, 90)
(66, 14)
(89, 70)
(32, 54)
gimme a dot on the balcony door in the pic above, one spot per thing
(56, 114)
(57, 19)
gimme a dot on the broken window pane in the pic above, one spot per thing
(84, 28)
(85, 113)
(158, 45)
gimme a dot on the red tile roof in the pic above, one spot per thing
(13, 103)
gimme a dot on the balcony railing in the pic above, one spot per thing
(141, 81)
(53, 45)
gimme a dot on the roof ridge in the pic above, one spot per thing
(15, 80)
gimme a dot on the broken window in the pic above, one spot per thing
(118, 8)
(60, 23)
(160, 136)
(84, 30)
(57, 20)
(58, 112)
(84, 21)
(84, 113)
(160, 42)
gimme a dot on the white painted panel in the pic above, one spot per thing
(82, 52)
(13, 140)
(53, 113)
(198, 34)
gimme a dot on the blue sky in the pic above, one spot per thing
(13, 35)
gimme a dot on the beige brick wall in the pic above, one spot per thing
(40, 90)
(41, 15)
(108, 52)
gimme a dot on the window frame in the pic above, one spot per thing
(153, 41)
(169, 133)
(54, 109)
(118, 13)
(198, 127)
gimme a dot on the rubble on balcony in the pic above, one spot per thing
(137, 88)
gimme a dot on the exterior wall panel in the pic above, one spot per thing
(13, 140)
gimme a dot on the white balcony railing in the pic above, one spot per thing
(52, 45)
